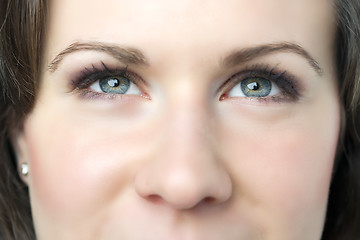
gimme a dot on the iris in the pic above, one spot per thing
(256, 87)
(114, 85)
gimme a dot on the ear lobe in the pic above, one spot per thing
(20, 147)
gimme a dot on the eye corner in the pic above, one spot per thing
(146, 96)
(223, 97)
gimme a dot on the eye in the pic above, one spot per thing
(262, 83)
(254, 87)
(115, 85)
(108, 83)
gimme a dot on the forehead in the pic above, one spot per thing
(192, 25)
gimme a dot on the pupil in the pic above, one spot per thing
(253, 86)
(113, 83)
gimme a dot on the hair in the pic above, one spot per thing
(22, 36)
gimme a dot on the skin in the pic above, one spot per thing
(179, 162)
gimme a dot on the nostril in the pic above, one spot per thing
(209, 200)
(155, 199)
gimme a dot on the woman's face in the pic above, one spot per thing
(184, 120)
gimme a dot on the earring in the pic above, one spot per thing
(24, 169)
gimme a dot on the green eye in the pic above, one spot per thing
(114, 85)
(256, 87)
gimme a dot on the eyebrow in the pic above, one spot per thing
(126, 55)
(245, 55)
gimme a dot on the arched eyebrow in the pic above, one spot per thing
(242, 56)
(134, 56)
(126, 55)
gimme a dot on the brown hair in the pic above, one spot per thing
(343, 215)
(22, 25)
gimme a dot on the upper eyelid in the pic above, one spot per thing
(255, 71)
(94, 74)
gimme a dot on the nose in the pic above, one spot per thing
(186, 171)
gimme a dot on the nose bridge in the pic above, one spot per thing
(186, 150)
(187, 124)
(186, 169)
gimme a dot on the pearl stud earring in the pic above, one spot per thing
(24, 169)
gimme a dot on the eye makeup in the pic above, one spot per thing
(286, 82)
(290, 89)
(90, 75)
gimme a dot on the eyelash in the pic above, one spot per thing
(89, 76)
(286, 82)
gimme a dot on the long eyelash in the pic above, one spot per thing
(90, 75)
(284, 80)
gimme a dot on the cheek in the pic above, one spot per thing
(282, 163)
(76, 169)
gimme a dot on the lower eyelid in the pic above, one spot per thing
(278, 94)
